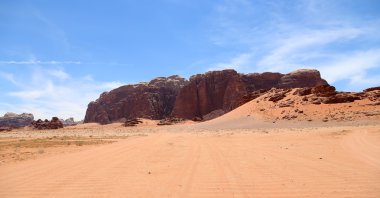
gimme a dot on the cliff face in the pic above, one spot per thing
(224, 90)
(203, 96)
(16, 120)
(216, 90)
(153, 100)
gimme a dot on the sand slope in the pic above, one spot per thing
(324, 162)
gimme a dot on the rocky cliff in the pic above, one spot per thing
(204, 96)
(218, 91)
(16, 120)
(153, 100)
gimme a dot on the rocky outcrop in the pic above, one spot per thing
(372, 89)
(326, 94)
(132, 122)
(169, 121)
(69, 122)
(226, 90)
(55, 123)
(16, 120)
(153, 100)
(215, 90)
(204, 96)
(302, 78)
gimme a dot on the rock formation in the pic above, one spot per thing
(55, 123)
(69, 122)
(216, 90)
(153, 100)
(302, 78)
(226, 90)
(132, 122)
(326, 94)
(16, 120)
(204, 96)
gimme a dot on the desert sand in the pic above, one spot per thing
(245, 153)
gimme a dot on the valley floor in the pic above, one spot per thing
(333, 161)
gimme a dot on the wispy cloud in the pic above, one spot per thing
(38, 62)
(9, 77)
(269, 38)
(237, 63)
(48, 93)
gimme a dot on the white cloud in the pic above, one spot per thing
(353, 67)
(38, 62)
(27, 95)
(341, 47)
(48, 93)
(237, 63)
(9, 77)
(60, 74)
(287, 52)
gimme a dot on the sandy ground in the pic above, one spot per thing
(183, 161)
(253, 151)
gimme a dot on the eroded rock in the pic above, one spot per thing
(14, 120)
(55, 123)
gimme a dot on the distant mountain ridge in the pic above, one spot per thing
(214, 92)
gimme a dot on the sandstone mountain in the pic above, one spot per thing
(153, 100)
(16, 120)
(222, 91)
(204, 96)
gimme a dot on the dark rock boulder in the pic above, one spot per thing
(324, 91)
(277, 94)
(153, 100)
(303, 91)
(16, 120)
(132, 122)
(55, 123)
(340, 98)
(170, 121)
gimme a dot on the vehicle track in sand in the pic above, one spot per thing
(215, 164)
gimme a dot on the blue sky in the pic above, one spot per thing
(57, 56)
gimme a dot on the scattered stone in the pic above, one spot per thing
(340, 98)
(132, 122)
(303, 91)
(289, 117)
(170, 121)
(288, 103)
(371, 113)
(278, 94)
(323, 91)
